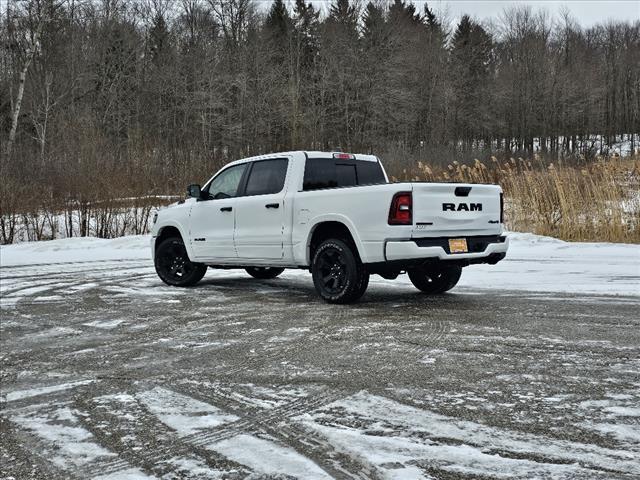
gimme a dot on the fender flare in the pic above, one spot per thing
(333, 217)
(183, 233)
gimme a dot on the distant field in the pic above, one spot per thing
(598, 201)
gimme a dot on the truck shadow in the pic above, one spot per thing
(387, 295)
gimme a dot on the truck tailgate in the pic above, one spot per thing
(455, 209)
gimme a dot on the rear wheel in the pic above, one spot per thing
(364, 283)
(435, 279)
(264, 273)
(173, 265)
(338, 274)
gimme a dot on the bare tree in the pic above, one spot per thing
(108, 99)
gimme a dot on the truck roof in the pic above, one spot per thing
(358, 156)
(309, 154)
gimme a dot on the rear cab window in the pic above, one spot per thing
(266, 177)
(322, 173)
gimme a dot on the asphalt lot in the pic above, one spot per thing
(108, 373)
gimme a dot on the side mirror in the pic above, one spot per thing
(193, 191)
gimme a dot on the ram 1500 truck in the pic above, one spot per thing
(334, 214)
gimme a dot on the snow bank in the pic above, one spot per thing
(75, 249)
(534, 263)
(546, 264)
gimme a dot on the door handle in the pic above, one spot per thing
(226, 209)
(272, 205)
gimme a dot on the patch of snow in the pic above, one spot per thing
(386, 431)
(398, 471)
(33, 392)
(544, 264)
(620, 411)
(77, 249)
(267, 457)
(183, 414)
(57, 332)
(104, 324)
(28, 291)
(623, 432)
(192, 468)
(127, 474)
(50, 298)
(67, 442)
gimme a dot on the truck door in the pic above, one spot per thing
(260, 211)
(212, 219)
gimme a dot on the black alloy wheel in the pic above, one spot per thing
(333, 270)
(173, 265)
(338, 274)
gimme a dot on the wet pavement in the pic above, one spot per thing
(108, 373)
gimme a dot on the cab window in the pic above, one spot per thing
(331, 173)
(226, 184)
(267, 176)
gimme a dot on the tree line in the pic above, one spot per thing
(112, 97)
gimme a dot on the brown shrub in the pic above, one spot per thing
(598, 201)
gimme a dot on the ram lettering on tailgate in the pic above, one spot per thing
(462, 207)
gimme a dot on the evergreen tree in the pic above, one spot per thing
(278, 23)
(159, 41)
(471, 57)
(376, 53)
(305, 25)
(430, 18)
(374, 26)
(344, 14)
(403, 14)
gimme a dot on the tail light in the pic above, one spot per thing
(501, 207)
(400, 212)
(344, 156)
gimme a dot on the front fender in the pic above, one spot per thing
(181, 226)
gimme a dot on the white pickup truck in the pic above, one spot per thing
(335, 214)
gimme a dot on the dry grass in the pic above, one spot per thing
(598, 201)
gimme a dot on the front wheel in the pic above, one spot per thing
(173, 265)
(264, 273)
(435, 279)
(338, 274)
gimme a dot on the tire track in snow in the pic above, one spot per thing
(122, 421)
(176, 421)
(252, 418)
(275, 422)
(64, 441)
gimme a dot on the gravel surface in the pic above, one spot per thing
(107, 373)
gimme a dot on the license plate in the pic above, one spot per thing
(458, 245)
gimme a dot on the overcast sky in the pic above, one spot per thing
(586, 12)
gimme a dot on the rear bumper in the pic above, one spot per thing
(483, 250)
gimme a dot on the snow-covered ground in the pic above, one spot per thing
(534, 263)
(593, 144)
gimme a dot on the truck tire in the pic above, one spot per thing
(435, 279)
(173, 265)
(364, 283)
(264, 273)
(338, 274)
